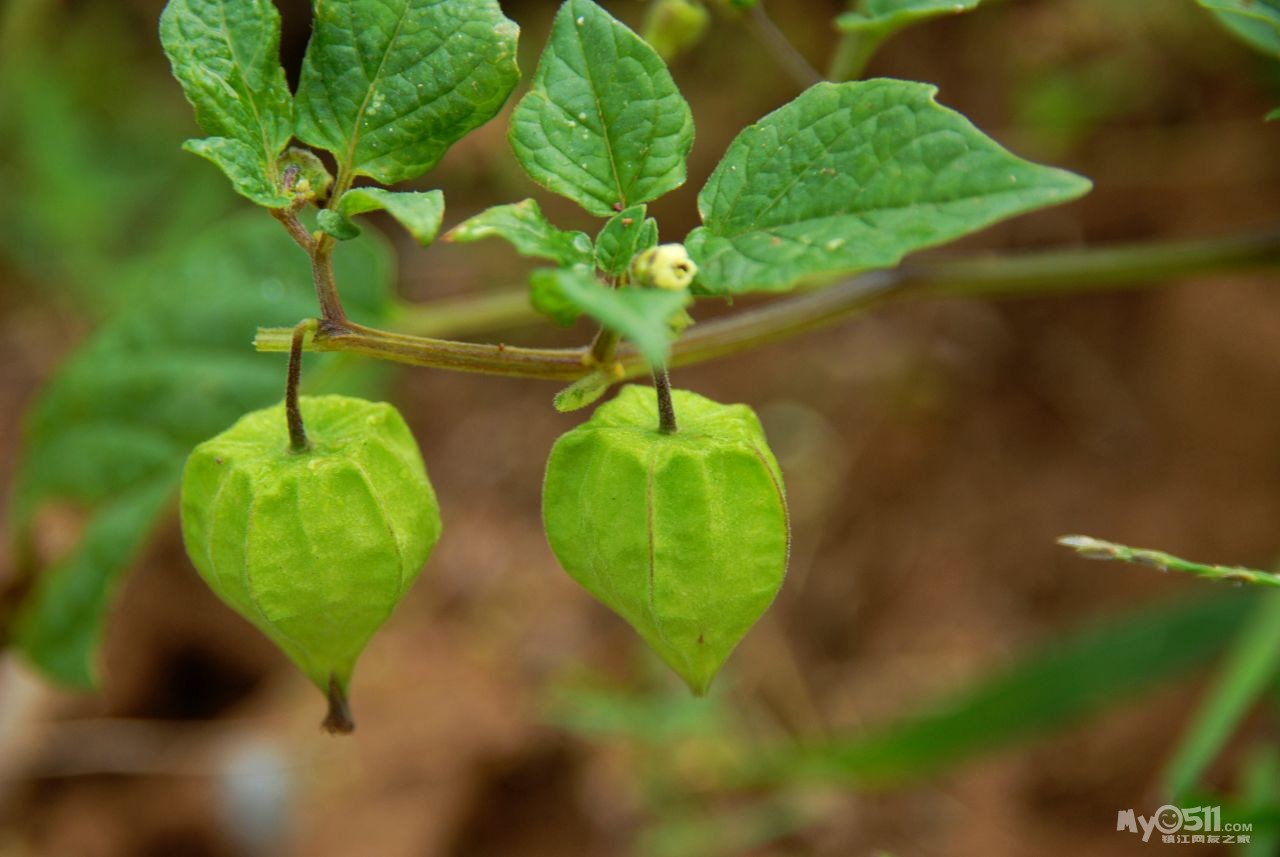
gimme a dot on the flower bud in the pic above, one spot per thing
(666, 266)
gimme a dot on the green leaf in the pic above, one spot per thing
(1250, 667)
(523, 226)
(109, 433)
(640, 315)
(603, 123)
(226, 55)
(1060, 684)
(626, 234)
(851, 177)
(389, 85)
(1261, 788)
(1274, 115)
(242, 165)
(419, 213)
(79, 226)
(62, 623)
(1255, 22)
(882, 18)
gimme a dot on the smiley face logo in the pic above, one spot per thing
(1168, 819)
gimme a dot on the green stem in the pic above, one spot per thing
(1029, 274)
(785, 53)
(853, 51)
(551, 364)
(605, 345)
(1091, 548)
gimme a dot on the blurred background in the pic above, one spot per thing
(933, 451)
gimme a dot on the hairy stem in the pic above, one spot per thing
(1028, 274)
(666, 410)
(335, 317)
(293, 414)
(289, 219)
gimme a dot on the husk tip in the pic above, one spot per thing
(338, 721)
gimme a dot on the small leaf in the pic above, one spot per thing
(226, 55)
(1255, 22)
(333, 223)
(851, 177)
(603, 123)
(584, 391)
(109, 433)
(875, 21)
(523, 226)
(419, 213)
(389, 85)
(880, 19)
(640, 315)
(626, 234)
(243, 166)
(1274, 115)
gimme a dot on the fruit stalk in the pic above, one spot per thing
(666, 410)
(293, 415)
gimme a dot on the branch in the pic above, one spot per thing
(1027, 274)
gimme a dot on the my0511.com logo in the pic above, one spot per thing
(1190, 825)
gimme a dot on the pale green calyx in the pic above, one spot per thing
(684, 535)
(314, 548)
(666, 266)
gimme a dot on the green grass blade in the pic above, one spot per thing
(1261, 790)
(1251, 664)
(1062, 683)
